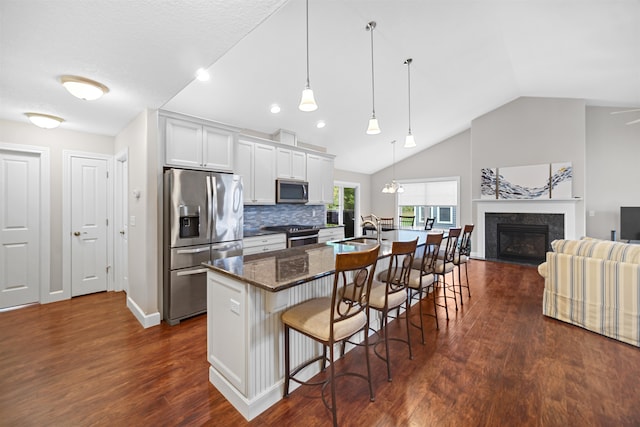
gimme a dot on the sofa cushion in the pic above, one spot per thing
(600, 249)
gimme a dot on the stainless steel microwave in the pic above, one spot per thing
(292, 191)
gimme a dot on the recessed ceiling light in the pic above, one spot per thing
(83, 88)
(44, 121)
(275, 108)
(320, 124)
(202, 75)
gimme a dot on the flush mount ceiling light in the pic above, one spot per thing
(409, 141)
(307, 101)
(83, 88)
(373, 128)
(202, 75)
(394, 187)
(44, 121)
(275, 108)
(320, 124)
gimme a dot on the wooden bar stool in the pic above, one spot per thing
(331, 320)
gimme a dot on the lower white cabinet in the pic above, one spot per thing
(328, 234)
(267, 243)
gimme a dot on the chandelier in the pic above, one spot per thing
(393, 187)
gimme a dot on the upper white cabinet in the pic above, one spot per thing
(291, 164)
(195, 144)
(256, 163)
(320, 177)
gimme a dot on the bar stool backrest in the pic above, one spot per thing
(352, 284)
(465, 241)
(451, 245)
(431, 250)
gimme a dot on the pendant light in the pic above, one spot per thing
(394, 187)
(409, 142)
(373, 128)
(307, 101)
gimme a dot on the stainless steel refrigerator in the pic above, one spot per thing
(202, 221)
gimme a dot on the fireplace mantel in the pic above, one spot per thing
(572, 209)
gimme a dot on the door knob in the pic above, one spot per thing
(122, 232)
(76, 233)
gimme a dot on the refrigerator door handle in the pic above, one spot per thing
(191, 251)
(214, 206)
(209, 207)
(191, 272)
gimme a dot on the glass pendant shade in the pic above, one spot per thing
(44, 121)
(409, 141)
(307, 101)
(373, 128)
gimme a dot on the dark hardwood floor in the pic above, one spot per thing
(497, 362)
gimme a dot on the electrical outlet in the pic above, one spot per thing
(234, 306)
(313, 213)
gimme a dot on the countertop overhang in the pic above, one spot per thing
(278, 270)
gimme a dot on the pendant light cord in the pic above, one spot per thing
(408, 62)
(308, 44)
(371, 26)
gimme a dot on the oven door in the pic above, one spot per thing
(293, 241)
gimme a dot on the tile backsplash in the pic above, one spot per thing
(283, 214)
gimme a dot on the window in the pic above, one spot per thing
(435, 198)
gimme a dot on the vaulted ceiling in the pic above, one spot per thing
(469, 57)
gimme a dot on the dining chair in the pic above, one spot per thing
(423, 276)
(389, 292)
(462, 256)
(386, 224)
(428, 224)
(333, 319)
(407, 220)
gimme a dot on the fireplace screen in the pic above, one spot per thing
(523, 242)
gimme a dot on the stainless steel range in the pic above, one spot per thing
(298, 235)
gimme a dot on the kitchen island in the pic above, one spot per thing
(245, 297)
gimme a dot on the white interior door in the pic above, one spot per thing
(19, 228)
(88, 225)
(121, 215)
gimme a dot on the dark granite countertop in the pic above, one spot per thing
(285, 268)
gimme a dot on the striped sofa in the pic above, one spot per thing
(594, 284)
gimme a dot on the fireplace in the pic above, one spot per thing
(521, 237)
(565, 220)
(526, 243)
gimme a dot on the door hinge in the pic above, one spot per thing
(107, 269)
(107, 220)
(107, 174)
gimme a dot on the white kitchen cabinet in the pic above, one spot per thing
(197, 145)
(291, 164)
(320, 177)
(256, 163)
(328, 234)
(266, 243)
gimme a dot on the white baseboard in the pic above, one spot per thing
(146, 320)
(248, 408)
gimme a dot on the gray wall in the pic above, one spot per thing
(603, 150)
(613, 168)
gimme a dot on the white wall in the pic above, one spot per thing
(140, 137)
(613, 168)
(56, 140)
